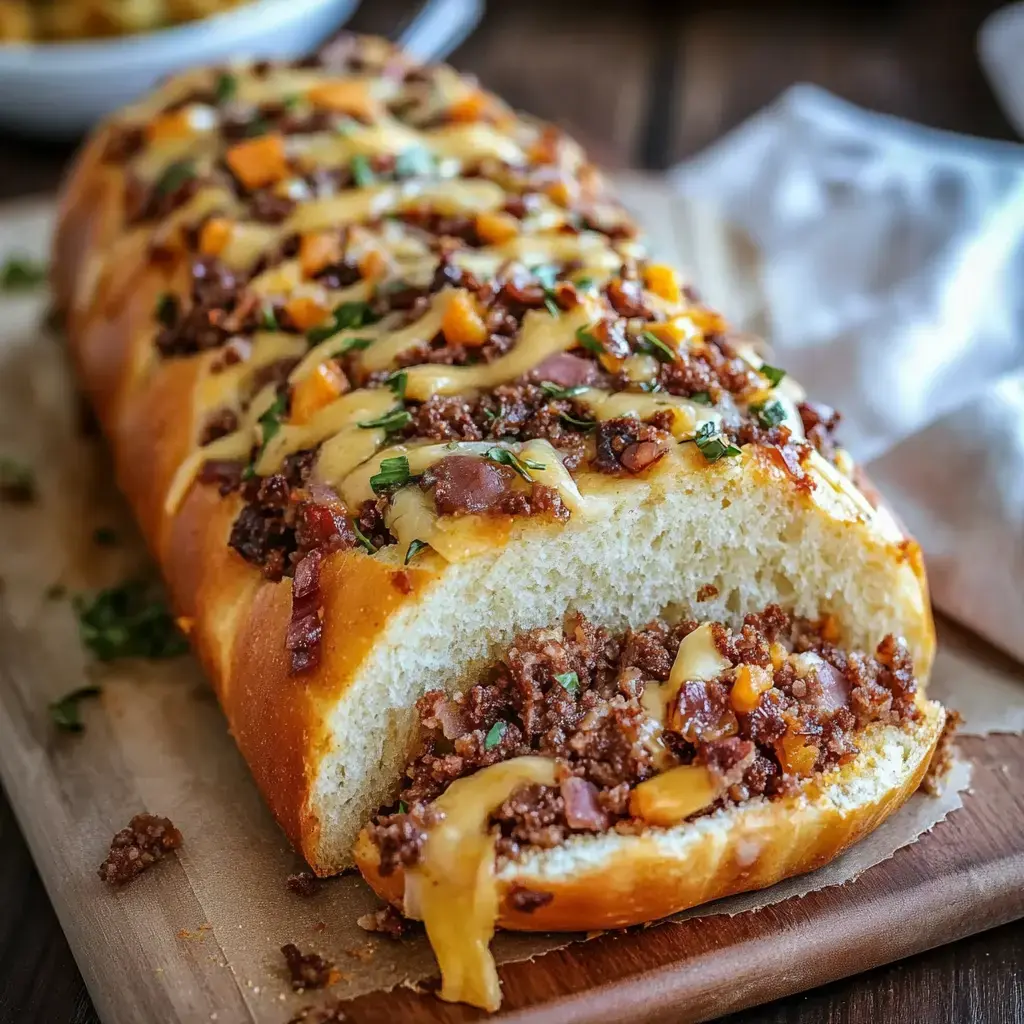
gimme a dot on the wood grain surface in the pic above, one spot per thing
(643, 85)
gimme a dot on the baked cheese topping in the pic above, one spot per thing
(385, 256)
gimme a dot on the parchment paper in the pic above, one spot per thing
(160, 723)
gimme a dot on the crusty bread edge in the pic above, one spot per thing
(618, 880)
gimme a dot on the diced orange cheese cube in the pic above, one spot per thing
(174, 125)
(562, 192)
(326, 383)
(796, 755)
(664, 281)
(707, 320)
(317, 251)
(373, 264)
(258, 162)
(495, 228)
(751, 682)
(214, 236)
(671, 797)
(474, 106)
(611, 363)
(345, 96)
(673, 331)
(305, 312)
(461, 323)
(544, 150)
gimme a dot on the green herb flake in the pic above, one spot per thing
(769, 414)
(398, 382)
(584, 283)
(552, 306)
(166, 311)
(654, 346)
(393, 473)
(128, 621)
(547, 275)
(713, 446)
(226, 87)
(104, 536)
(391, 421)
(773, 373)
(174, 176)
(345, 317)
(415, 547)
(415, 162)
(557, 391)
(588, 340)
(268, 318)
(362, 172)
(17, 481)
(66, 713)
(20, 272)
(270, 421)
(701, 398)
(364, 541)
(577, 423)
(256, 127)
(649, 386)
(504, 457)
(570, 682)
(346, 127)
(402, 809)
(291, 101)
(495, 735)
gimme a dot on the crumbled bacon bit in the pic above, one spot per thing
(308, 970)
(146, 840)
(305, 631)
(303, 883)
(387, 922)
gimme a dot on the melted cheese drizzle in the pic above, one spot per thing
(454, 888)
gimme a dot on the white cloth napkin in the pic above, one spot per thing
(894, 271)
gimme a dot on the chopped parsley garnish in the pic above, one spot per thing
(773, 373)
(128, 621)
(570, 682)
(587, 339)
(291, 101)
(257, 126)
(174, 176)
(504, 457)
(270, 424)
(495, 735)
(701, 398)
(769, 414)
(20, 272)
(393, 472)
(557, 391)
(105, 536)
(713, 446)
(649, 385)
(226, 87)
(584, 283)
(17, 481)
(552, 307)
(65, 713)
(415, 547)
(390, 421)
(345, 317)
(167, 309)
(414, 162)
(402, 809)
(397, 382)
(362, 172)
(268, 317)
(364, 541)
(653, 345)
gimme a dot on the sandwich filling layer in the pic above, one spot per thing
(576, 731)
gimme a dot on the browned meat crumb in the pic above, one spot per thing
(942, 759)
(307, 970)
(707, 592)
(528, 900)
(135, 848)
(387, 921)
(303, 883)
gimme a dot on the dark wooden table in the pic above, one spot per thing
(643, 85)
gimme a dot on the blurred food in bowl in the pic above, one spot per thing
(23, 21)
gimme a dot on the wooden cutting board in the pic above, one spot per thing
(180, 944)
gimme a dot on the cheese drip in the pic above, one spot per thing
(687, 416)
(454, 889)
(698, 659)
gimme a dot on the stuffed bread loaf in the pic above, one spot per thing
(390, 382)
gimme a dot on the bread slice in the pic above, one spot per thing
(612, 880)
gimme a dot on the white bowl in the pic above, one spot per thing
(59, 90)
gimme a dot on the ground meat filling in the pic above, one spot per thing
(575, 695)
